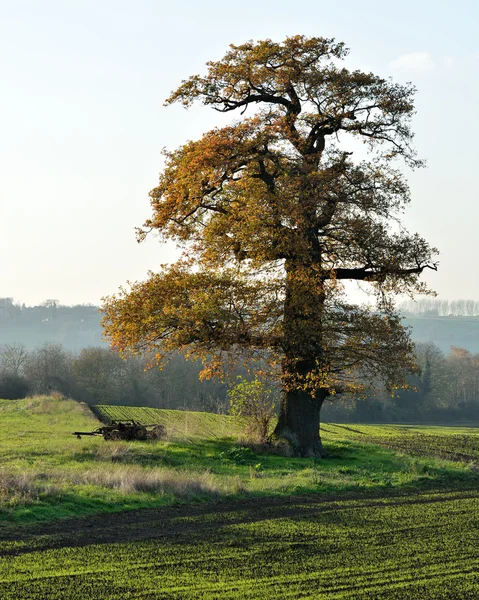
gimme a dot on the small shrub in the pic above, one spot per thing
(239, 455)
(254, 401)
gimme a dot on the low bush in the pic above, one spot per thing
(239, 455)
(13, 387)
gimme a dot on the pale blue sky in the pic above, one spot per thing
(82, 124)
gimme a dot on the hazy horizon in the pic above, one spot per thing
(83, 125)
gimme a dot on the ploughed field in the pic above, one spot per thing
(386, 515)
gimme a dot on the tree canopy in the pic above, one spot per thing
(274, 212)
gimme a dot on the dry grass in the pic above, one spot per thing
(115, 452)
(130, 478)
(274, 447)
(52, 403)
(25, 488)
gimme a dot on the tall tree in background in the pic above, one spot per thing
(12, 358)
(274, 213)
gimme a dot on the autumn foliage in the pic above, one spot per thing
(275, 212)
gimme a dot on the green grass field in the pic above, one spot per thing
(386, 515)
(47, 473)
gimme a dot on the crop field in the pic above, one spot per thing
(179, 423)
(385, 515)
(450, 443)
(420, 546)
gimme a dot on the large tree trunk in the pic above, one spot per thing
(303, 334)
(298, 423)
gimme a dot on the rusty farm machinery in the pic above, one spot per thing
(127, 430)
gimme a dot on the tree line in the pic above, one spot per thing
(437, 307)
(97, 375)
(445, 390)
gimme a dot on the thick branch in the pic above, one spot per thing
(229, 105)
(370, 272)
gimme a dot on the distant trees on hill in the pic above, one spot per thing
(74, 327)
(75, 363)
(441, 308)
(77, 327)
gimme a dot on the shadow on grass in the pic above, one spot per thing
(369, 547)
(94, 522)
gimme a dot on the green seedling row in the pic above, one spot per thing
(450, 443)
(179, 423)
(423, 546)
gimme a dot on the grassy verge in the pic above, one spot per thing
(46, 473)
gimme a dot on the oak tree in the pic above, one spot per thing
(275, 212)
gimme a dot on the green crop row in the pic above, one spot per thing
(457, 444)
(424, 547)
(179, 424)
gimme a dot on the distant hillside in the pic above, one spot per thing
(76, 327)
(446, 331)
